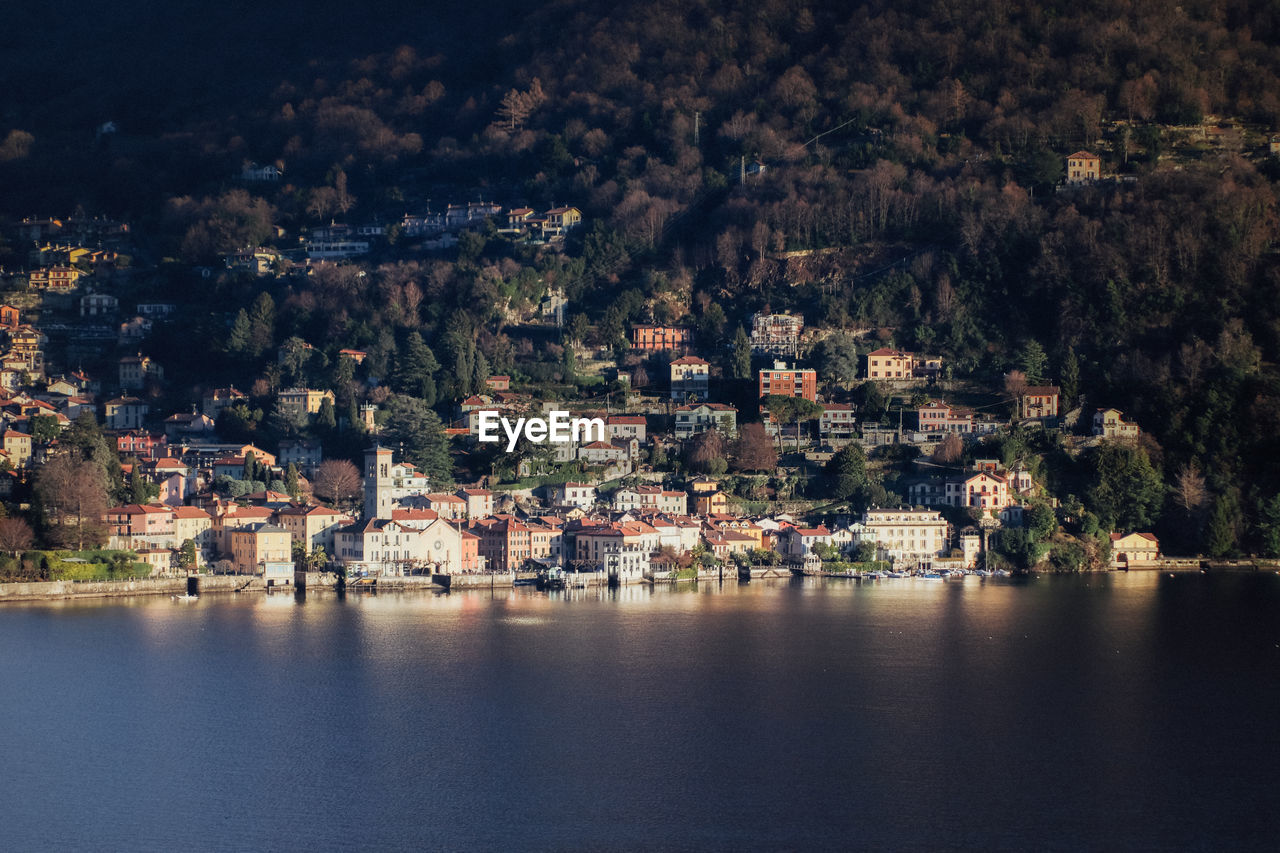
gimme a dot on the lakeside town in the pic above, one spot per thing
(851, 456)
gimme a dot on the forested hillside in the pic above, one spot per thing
(889, 168)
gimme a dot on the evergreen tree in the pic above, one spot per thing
(291, 484)
(1125, 491)
(1033, 362)
(1020, 548)
(326, 417)
(577, 329)
(612, 329)
(871, 399)
(1069, 383)
(1220, 535)
(711, 324)
(238, 339)
(187, 554)
(262, 324)
(354, 423)
(140, 490)
(344, 381)
(847, 476)
(1269, 526)
(1041, 522)
(570, 364)
(479, 372)
(418, 434)
(463, 370)
(85, 438)
(741, 362)
(416, 368)
(836, 357)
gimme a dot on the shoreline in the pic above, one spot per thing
(29, 591)
(63, 590)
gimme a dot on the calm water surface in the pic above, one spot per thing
(1126, 712)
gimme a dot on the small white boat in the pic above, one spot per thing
(186, 598)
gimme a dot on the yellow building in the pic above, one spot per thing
(713, 503)
(191, 522)
(1131, 550)
(299, 401)
(1110, 423)
(18, 446)
(257, 547)
(1083, 167)
(313, 526)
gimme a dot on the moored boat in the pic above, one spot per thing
(552, 578)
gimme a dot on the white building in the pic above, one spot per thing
(904, 535)
(390, 548)
(581, 495)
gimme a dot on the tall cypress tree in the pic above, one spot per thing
(1069, 382)
(741, 363)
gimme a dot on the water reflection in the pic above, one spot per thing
(668, 712)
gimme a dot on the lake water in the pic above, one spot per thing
(1109, 712)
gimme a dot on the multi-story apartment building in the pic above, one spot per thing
(505, 542)
(690, 378)
(776, 335)
(313, 526)
(782, 381)
(302, 401)
(646, 338)
(936, 416)
(261, 547)
(837, 423)
(903, 534)
(699, 417)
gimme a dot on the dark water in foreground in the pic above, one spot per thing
(1061, 713)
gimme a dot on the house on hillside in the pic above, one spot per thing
(695, 418)
(1038, 402)
(1083, 168)
(690, 379)
(1110, 423)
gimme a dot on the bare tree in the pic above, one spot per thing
(754, 450)
(15, 535)
(73, 494)
(949, 451)
(704, 450)
(1015, 382)
(517, 106)
(337, 481)
(1190, 490)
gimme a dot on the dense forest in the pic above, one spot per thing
(887, 168)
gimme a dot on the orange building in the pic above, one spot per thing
(658, 338)
(1083, 167)
(794, 382)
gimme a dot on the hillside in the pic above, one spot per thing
(890, 168)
